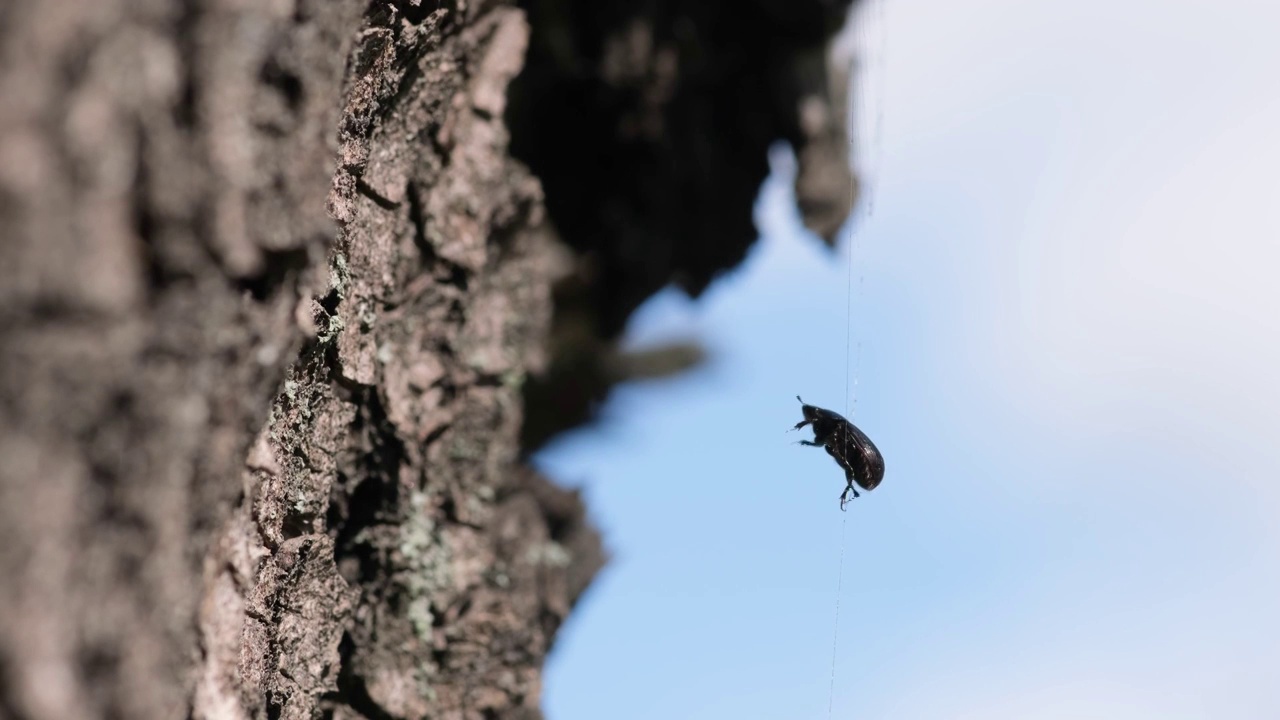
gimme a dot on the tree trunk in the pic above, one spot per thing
(273, 287)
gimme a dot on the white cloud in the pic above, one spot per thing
(1084, 199)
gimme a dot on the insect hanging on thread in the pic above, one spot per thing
(852, 449)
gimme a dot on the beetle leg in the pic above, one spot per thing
(844, 496)
(809, 443)
(801, 424)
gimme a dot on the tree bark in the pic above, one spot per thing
(275, 297)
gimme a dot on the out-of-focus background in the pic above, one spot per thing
(1063, 337)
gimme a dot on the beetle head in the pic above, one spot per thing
(811, 412)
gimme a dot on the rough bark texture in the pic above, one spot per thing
(273, 286)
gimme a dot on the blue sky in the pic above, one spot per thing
(1064, 335)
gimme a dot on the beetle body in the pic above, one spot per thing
(847, 445)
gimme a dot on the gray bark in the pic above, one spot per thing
(275, 297)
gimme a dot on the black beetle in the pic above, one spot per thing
(851, 448)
